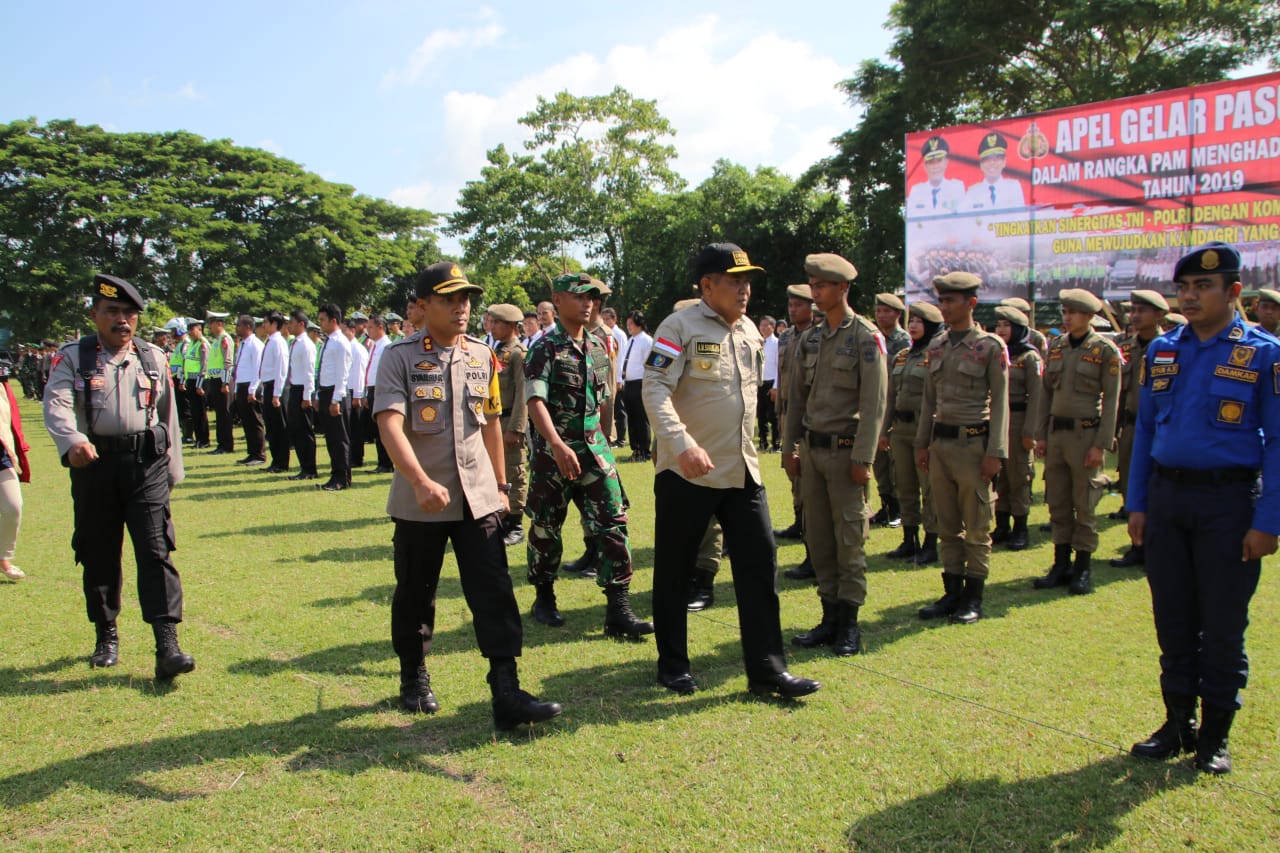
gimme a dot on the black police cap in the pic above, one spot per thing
(112, 287)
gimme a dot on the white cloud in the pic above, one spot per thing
(767, 101)
(440, 41)
(272, 146)
(189, 92)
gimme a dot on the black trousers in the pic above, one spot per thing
(683, 512)
(118, 491)
(357, 429)
(199, 412)
(336, 440)
(277, 428)
(302, 430)
(1200, 589)
(620, 417)
(184, 408)
(251, 421)
(384, 458)
(766, 418)
(486, 584)
(220, 404)
(637, 417)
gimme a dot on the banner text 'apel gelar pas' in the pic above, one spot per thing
(1103, 196)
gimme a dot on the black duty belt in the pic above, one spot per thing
(1128, 418)
(822, 439)
(131, 443)
(1020, 406)
(953, 431)
(1071, 423)
(905, 417)
(1205, 476)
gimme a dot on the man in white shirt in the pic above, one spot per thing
(994, 191)
(299, 412)
(766, 414)
(247, 367)
(609, 316)
(357, 412)
(333, 369)
(378, 341)
(631, 368)
(273, 375)
(546, 321)
(938, 194)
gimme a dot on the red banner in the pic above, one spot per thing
(1103, 196)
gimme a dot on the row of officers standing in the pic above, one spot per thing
(1207, 407)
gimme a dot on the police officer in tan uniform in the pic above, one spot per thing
(438, 407)
(1147, 309)
(506, 320)
(700, 392)
(1013, 486)
(961, 440)
(907, 377)
(834, 414)
(1077, 424)
(110, 410)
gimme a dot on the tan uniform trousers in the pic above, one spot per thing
(1013, 486)
(711, 548)
(962, 501)
(835, 523)
(884, 470)
(1124, 454)
(1072, 490)
(517, 459)
(915, 495)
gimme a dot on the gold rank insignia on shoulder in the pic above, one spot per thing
(427, 346)
(482, 390)
(1242, 355)
(1231, 411)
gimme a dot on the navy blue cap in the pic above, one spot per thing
(1209, 258)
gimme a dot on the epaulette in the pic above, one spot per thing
(901, 357)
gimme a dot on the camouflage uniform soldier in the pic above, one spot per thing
(566, 373)
(515, 417)
(1081, 400)
(1013, 485)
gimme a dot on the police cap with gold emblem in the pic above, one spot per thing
(957, 282)
(1150, 297)
(1013, 315)
(830, 267)
(1078, 299)
(992, 145)
(934, 147)
(1210, 258)
(926, 311)
(506, 313)
(891, 300)
(722, 258)
(443, 278)
(112, 287)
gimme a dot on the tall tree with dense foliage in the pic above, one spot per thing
(956, 61)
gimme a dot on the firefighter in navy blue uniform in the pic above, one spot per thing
(1208, 418)
(111, 413)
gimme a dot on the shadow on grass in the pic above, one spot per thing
(1078, 809)
(329, 525)
(72, 674)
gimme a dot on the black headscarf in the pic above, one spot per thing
(930, 330)
(1019, 339)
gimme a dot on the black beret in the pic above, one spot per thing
(111, 287)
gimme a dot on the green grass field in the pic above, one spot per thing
(1010, 734)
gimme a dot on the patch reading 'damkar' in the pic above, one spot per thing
(1237, 373)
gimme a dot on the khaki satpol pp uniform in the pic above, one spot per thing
(1026, 370)
(1134, 351)
(907, 377)
(515, 412)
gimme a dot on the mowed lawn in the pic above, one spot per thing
(1010, 734)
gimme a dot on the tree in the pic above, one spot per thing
(956, 61)
(592, 160)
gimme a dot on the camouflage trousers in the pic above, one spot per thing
(599, 496)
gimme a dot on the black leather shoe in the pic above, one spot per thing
(1177, 735)
(700, 599)
(1135, 556)
(784, 685)
(802, 572)
(244, 461)
(544, 606)
(106, 651)
(303, 475)
(1212, 754)
(220, 452)
(384, 469)
(331, 486)
(681, 683)
(795, 531)
(275, 469)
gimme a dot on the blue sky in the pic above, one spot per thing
(402, 99)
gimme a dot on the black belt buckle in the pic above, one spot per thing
(905, 417)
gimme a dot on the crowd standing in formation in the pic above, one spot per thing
(946, 417)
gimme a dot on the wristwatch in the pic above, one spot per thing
(505, 488)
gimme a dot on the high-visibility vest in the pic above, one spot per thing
(191, 365)
(176, 356)
(217, 365)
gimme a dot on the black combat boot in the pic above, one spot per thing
(1082, 575)
(415, 690)
(928, 552)
(512, 706)
(848, 638)
(106, 652)
(544, 605)
(619, 620)
(702, 593)
(822, 634)
(910, 543)
(795, 531)
(970, 609)
(952, 590)
(1135, 556)
(170, 660)
(893, 510)
(802, 572)
(588, 565)
(1059, 573)
(1177, 735)
(513, 530)
(1212, 755)
(1018, 535)
(1001, 534)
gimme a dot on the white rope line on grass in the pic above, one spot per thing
(853, 663)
